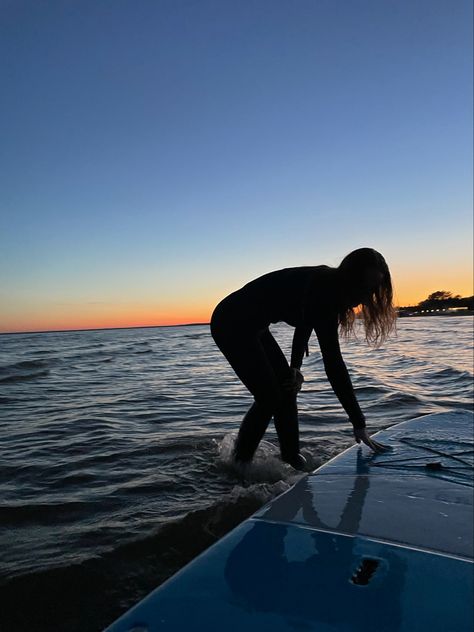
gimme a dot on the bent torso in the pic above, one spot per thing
(296, 296)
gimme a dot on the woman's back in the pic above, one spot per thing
(282, 295)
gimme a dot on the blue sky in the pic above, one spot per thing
(168, 151)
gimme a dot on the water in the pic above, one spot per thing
(115, 464)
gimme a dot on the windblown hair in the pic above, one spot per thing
(377, 311)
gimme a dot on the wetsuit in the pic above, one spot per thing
(306, 298)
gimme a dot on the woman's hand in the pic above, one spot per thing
(294, 383)
(360, 434)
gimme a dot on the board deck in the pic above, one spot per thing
(366, 542)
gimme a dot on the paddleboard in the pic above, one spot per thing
(368, 542)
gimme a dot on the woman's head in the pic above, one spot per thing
(365, 281)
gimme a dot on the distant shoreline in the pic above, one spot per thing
(69, 331)
(469, 312)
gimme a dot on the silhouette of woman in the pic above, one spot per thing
(310, 297)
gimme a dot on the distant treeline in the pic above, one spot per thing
(442, 300)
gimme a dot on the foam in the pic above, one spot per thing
(266, 465)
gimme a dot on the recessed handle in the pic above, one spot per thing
(365, 571)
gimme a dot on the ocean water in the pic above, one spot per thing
(115, 465)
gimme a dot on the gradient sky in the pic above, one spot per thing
(157, 154)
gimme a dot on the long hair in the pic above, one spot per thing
(376, 310)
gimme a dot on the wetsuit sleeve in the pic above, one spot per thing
(336, 370)
(300, 345)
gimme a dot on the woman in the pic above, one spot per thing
(307, 298)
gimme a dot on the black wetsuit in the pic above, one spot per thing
(306, 298)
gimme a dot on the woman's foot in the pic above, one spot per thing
(298, 462)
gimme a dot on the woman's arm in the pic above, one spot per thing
(336, 370)
(338, 376)
(299, 346)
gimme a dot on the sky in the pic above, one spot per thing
(156, 155)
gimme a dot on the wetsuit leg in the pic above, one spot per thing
(286, 413)
(251, 431)
(246, 355)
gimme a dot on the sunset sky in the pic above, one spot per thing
(157, 154)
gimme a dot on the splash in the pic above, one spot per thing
(265, 467)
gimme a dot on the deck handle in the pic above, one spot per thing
(365, 571)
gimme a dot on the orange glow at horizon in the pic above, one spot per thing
(413, 285)
(410, 289)
(83, 319)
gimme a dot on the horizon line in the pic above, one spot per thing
(66, 331)
(75, 330)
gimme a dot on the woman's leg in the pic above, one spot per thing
(247, 357)
(286, 413)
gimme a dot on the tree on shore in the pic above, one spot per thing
(442, 299)
(439, 300)
(442, 295)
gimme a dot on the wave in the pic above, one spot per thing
(369, 390)
(42, 513)
(138, 347)
(22, 378)
(203, 334)
(206, 525)
(42, 352)
(25, 365)
(25, 370)
(94, 355)
(450, 373)
(402, 399)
